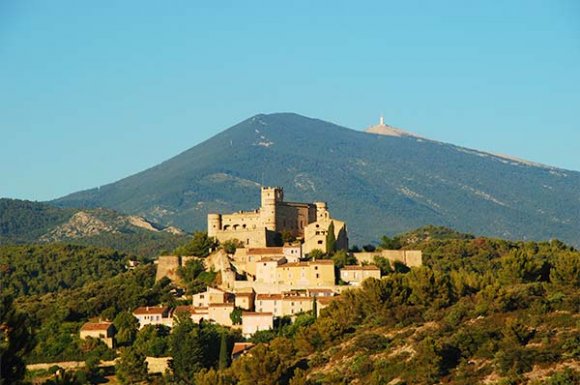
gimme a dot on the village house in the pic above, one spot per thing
(153, 315)
(315, 292)
(103, 331)
(354, 275)
(306, 274)
(211, 295)
(269, 303)
(245, 300)
(246, 259)
(240, 349)
(195, 313)
(296, 304)
(266, 269)
(253, 322)
(220, 313)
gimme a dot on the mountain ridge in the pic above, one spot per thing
(25, 222)
(378, 184)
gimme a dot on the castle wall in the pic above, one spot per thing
(250, 237)
(315, 235)
(259, 228)
(167, 266)
(294, 217)
(411, 258)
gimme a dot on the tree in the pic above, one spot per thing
(153, 340)
(199, 246)
(193, 347)
(316, 254)
(390, 243)
(127, 327)
(223, 361)
(383, 264)
(330, 239)
(63, 377)
(566, 269)
(341, 258)
(236, 316)
(131, 366)
(231, 245)
(287, 237)
(15, 342)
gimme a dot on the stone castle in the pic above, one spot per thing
(308, 223)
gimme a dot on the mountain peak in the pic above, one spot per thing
(385, 129)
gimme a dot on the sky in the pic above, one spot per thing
(91, 92)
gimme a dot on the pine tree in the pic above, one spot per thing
(131, 366)
(15, 342)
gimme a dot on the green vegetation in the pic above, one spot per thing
(199, 246)
(57, 317)
(131, 366)
(194, 276)
(479, 307)
(15, 342)
(39, 269)
(25, 222)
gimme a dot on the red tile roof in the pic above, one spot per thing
(240, 347)
(266, 251)
(297, 298)
(321, 290)
(151, 310)
(268, 296)
(89, 326)
(221, 305)
(255, 314)
(357, 267)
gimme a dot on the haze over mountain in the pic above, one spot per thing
(384, 182)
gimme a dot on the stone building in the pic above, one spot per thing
(100, 330)
(354, 275)
(153, 315)
(253, 322)
(264, 227)
(303, 275)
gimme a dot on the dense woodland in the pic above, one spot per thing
(25, 222)
(480, 309)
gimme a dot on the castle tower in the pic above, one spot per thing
(214, 224)
(321, 211)
(270, 197)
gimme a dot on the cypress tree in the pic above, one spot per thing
(330, 240)
(223, 359)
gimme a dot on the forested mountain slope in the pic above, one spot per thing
(378, 184)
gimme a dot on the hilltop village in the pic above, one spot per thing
(279, 268)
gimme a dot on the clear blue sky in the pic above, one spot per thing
(93, 91)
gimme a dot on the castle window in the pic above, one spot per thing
(320, 242)
(317, 275)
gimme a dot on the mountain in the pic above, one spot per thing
(379, 184)
(34, 222)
